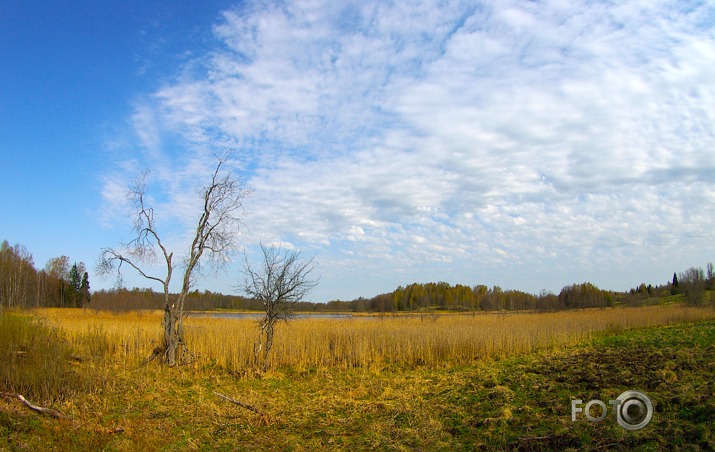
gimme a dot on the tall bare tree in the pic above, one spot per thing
(58, 270)
(281, 281)
(17, 276)
(215, 236)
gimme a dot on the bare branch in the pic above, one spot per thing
(41, 409)
(111, 259)
(220, 222)
(239, 403)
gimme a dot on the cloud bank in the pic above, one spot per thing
(525, 144)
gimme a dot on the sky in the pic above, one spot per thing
(525, 144)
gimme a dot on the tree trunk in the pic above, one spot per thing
(172, 345)
(168, 345)
(173, 336)
(262, 347)
(269, 344)
(258, 345)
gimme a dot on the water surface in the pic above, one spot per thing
(257, 315)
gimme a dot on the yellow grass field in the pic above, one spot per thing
(366, 342)
(435, 382)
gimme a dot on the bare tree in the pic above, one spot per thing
(281, 281)
(693, 281)
(215, 235)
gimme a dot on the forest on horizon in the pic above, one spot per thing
(60, 284)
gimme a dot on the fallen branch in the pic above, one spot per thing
(42, 410)
(239, 403)
(534, 438)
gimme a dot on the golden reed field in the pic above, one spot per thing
(367, 342)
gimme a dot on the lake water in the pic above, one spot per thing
(256, 315)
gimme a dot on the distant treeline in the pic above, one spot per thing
(59, 284)
(62, 285)
(443, 296)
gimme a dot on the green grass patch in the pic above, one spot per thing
(674, 365)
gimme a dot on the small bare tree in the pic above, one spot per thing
(215, 235)
(281, 281)
(694, 282)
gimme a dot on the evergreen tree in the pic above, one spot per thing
(84, 289)
(75, 283)
(674, 290)
(75, 278)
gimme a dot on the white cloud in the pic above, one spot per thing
(508, 140)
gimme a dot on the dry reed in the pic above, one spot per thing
(369, 342)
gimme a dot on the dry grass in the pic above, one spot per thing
(34, 360)
(370, 342)
(391, 383)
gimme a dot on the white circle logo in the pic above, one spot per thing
(634, 411)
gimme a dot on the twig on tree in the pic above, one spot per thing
(239, 403)
(42, 410)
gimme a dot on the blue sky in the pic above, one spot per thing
(528, 145)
